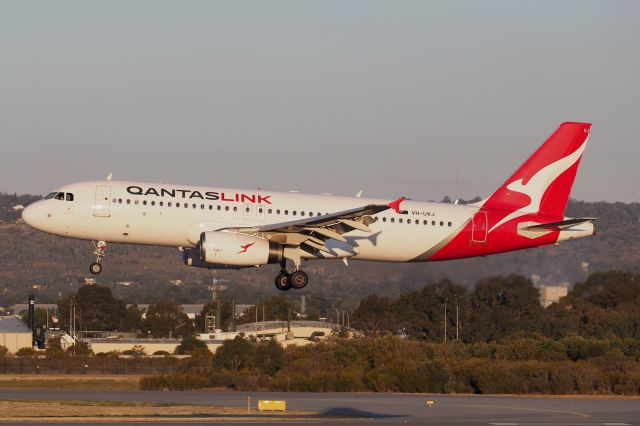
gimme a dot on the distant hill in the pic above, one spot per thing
(146, 274)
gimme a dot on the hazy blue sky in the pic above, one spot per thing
(329, 96)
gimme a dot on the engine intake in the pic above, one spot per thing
(234, 249)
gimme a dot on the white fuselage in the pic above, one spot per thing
(176, 216)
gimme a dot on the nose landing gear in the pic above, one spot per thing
(101, 251)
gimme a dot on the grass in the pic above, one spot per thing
(83, 411)
(69, 381)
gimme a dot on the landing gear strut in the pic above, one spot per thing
(297, 280)
(101, 251)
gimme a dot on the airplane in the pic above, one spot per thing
(226, 228)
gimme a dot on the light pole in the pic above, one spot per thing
(337, 315)
(344, 311)
(445, 319)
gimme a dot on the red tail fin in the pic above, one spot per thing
(543, 183)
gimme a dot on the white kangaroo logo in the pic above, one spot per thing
(538, 184)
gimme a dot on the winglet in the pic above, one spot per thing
(395, 205)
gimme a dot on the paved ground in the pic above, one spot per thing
(392, 408)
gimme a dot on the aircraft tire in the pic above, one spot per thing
(283, 281)
(299, 280)
(95, 268)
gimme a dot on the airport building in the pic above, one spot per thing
(14, 334)
(285, 332)
(551, 294)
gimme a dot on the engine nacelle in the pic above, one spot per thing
(238, 250)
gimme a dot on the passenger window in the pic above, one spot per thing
(128, 201)
(441, 223)
(69, 196)
(246, 209)
(260, 210)
(408, 220)
(219, 207)
(226, 208)
(210, 207)
(162, 203)
(177, 204)
(202, 206)
(137, 202)
(400, 220)
(393, 220)
(294, 212)
(278, 211)
(153, 203)
(59, 196)
(433, 222)
(119, 200)
(270, 211)
(144, 203)
(425, 222)
(186, 206)
(286, 212)
(384, 219)
(449, 223)
(235, 209)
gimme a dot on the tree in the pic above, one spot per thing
(95, 309)
(235, 354)
(53, 348)
(501, 306)
(166, 318)
(269, 357)
(374, 315)
(80, 349)
(189, 345)
(211, 309)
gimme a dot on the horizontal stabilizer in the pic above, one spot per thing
(563, 224)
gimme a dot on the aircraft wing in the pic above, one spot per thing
(315, 231)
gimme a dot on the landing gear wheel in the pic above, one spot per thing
(283, 282)
(95, 268)
(299, 280)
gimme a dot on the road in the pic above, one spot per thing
(390, 408)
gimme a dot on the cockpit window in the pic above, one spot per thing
(51, 195)
(69, 196)
(59, 196)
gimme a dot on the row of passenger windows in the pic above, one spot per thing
(211, 207)
(417, 221)
(261, 210)
(62, 196)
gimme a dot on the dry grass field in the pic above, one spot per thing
(87, 411)
(69, 381)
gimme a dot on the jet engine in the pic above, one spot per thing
(232, 249)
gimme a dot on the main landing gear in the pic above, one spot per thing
(297, 280)
(101, 251)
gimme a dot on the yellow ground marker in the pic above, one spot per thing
(430, 403)
(265, 405)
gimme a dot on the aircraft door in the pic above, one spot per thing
(479, 227)
(102, 206)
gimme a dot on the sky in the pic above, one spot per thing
(414, 98)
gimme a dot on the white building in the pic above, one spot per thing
(14, 334)
(551, 294)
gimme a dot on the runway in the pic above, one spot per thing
(387, 408)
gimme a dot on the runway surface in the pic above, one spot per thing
(388, 408)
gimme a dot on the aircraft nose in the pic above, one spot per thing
(30, 215)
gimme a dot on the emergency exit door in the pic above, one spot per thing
(102, 206)
(479, 228)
